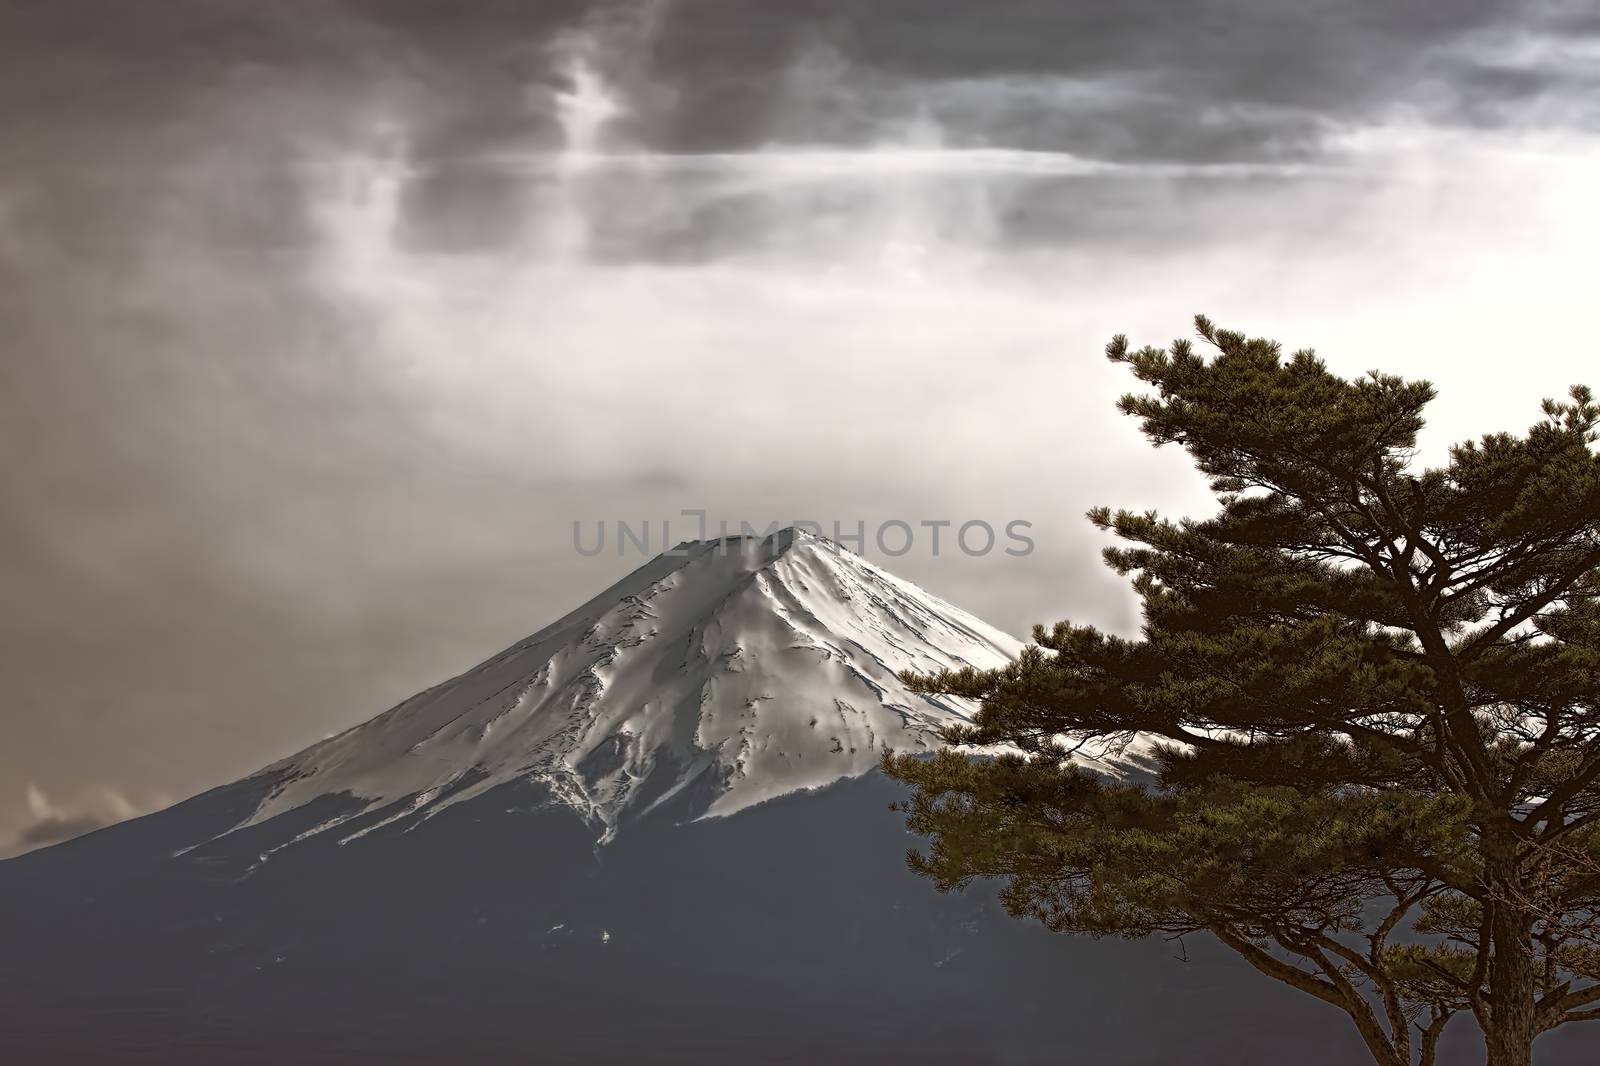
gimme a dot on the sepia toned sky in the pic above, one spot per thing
(323, 321)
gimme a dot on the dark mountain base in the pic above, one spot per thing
(495, 933)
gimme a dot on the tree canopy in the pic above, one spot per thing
(1370, 693)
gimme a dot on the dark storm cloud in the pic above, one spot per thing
(1245, 79)
(1211, 81)
(1165, 82)
(99, 99)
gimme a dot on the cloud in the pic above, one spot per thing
(319, 336)
(47, 822)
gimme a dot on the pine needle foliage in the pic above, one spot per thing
(1370, 693)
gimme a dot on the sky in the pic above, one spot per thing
(323, 322)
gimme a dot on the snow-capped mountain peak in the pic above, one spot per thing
(736, 669)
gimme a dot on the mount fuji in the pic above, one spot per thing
(651, 832)
(734, 670)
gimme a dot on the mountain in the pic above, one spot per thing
(739, 669)
(650, 832)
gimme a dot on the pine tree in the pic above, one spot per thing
(1373, 697)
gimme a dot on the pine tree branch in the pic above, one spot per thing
(1277, 969)
(1362, 964)
(1379, 976)
(1397, 1044)
(1486, 574)
(1346, 998)
(1404, 901)
(1568, 1001)
(1457, 723)
(1529, 607)
(1551, 809)
(1578, 1016)
(1480, 967)
(1526, 762)
(1472, 757)
(1414, 538)
(1554, 1010)
(1430, 1037)
(1581, 889)
(1449, 878)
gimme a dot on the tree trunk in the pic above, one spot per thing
(1509, 1041)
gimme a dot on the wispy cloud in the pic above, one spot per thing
(46, 821)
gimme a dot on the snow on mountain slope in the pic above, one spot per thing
(746, 667)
